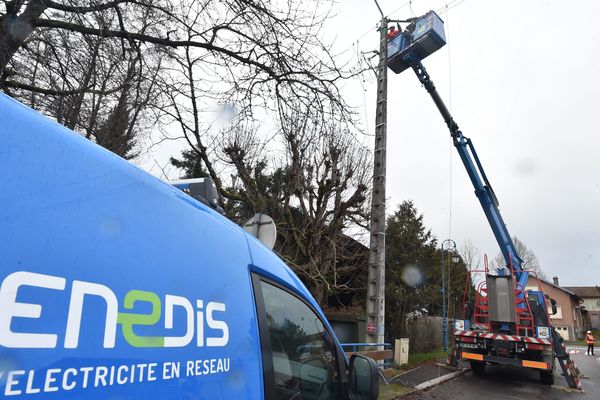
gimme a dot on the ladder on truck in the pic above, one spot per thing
(569, 369)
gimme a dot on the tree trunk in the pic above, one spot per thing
(15, 29)
(318, 290)
(8, 47)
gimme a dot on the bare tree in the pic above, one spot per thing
(263, 48)
(73, 59)
(471, 255)
(530, 260)
(313, 181)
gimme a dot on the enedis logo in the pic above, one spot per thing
(196, 317)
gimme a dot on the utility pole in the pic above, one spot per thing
(376, 275)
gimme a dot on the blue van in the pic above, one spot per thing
(116, 285)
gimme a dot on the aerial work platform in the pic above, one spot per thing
(420, 39)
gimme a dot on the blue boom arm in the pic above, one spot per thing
(483, 189)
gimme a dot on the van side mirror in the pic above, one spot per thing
(363, 378)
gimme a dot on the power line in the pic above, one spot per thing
(450, 107)
(372, 28)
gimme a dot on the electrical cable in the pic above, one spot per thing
(357, 41)
(450, 108)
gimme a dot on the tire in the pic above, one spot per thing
(547, 377)
(478, 367)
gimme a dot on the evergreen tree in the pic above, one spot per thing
(413, 271)
(190, 164)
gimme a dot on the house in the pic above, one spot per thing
(569, 320)
(591, 302)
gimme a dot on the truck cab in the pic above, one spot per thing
(115, 284)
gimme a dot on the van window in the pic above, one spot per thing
(303, 353)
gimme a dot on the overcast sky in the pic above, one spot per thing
(522, 81)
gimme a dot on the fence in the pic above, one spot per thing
(386, 356)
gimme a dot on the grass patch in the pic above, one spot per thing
(416, 359)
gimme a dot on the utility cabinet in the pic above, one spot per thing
(501, 298)
(401, 349)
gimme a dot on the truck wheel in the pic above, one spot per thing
(478, 367)
(547, 377)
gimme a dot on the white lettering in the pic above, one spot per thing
(216, 324)
(206, 367)
(170, 303)
(120, 379)
(86, 372)
(11, 381)
(195, 319)
(199, 324)
(69, 386)
(101, 373)
(78, 292)
(226, 366)
(152, 372)
(111, 381)
(9, 308)
(50, 379)
(29, 389)
(170, 370)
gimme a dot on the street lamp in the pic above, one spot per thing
(447, 244)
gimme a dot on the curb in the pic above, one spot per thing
(443, 378)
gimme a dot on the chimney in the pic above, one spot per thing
(555, 280)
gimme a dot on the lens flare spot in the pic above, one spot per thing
(412, 276)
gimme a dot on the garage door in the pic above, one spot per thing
(596, 320)
(563, 331)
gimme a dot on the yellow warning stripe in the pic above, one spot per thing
(535, 364)
(473, 356)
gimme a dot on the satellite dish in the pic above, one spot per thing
(262, 227)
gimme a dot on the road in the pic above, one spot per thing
(504, 383)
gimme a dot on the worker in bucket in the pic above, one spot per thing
(393, 32)
(589, 338)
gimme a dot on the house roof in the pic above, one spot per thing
(564, 289)
(585, 291)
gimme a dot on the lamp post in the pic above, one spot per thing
(447, 244)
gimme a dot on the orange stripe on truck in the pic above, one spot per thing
(473, 356)
(535, 364)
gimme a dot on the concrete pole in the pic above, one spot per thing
(376, 275)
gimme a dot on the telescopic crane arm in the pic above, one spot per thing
(483, 188)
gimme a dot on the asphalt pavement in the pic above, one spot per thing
(506, 383)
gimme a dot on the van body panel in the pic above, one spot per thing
(113, 281)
